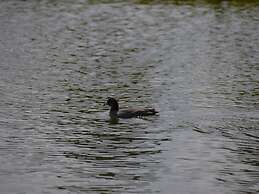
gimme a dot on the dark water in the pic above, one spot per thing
(196, 63)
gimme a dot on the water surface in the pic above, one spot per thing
(197, 63)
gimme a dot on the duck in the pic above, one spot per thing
(127, 113)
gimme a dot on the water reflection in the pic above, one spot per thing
(196, 62)
(114, 121)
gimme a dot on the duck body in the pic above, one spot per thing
(128, 113)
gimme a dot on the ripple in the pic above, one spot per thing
(196, 62)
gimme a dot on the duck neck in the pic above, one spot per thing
(115, 107)
(114, 110)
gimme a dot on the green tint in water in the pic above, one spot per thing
(197, 64)
(200, 2)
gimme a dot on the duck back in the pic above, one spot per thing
(129, 113)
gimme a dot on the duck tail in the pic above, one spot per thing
(149, 111)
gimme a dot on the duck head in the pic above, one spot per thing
(113, 103)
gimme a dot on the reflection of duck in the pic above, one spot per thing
(127, 113)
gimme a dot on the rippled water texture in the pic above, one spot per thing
(197, 63)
